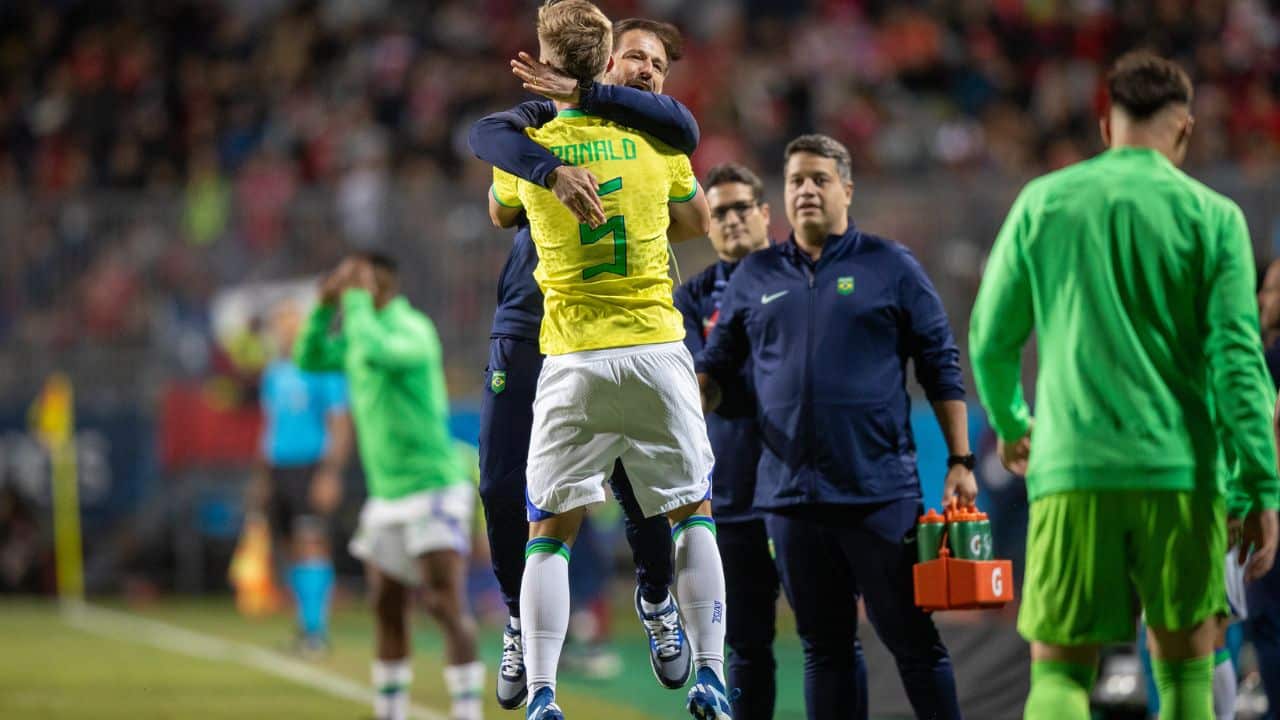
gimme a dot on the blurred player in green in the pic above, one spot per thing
(1138, 282)
(415, 528)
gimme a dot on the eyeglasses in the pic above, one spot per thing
(741, 209)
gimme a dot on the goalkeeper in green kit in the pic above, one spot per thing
(1152, 389)
(415, 528)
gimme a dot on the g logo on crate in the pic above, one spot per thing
(997, 582)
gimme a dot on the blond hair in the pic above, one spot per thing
(578, 36)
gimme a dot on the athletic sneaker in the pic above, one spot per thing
(512, 688)
(669, 652)
(543, 706)
(707, 698)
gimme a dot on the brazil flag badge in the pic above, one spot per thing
(844, 285)
(498, 381)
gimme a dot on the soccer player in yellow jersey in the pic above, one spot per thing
(617, 382)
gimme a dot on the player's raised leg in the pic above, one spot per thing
(659, 613)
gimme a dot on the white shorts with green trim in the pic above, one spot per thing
(640, 404)
(394, 534)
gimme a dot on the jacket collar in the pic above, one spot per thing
(835, 246)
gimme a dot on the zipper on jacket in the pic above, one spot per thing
(809, 443)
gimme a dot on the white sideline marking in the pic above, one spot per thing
(162, 635)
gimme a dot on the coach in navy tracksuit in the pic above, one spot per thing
(506, 415)
(740, 226)
(829, 320)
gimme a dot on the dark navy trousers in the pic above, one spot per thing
(751, 586)
(828, 556)
(506, 420)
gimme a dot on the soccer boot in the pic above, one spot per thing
(669, 652)
(708, 699)
(543, 706)
(512, 686)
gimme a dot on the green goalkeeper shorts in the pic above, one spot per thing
(1095, 558)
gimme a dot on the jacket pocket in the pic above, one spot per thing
(858, 449)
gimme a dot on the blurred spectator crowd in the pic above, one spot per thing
(153, 152)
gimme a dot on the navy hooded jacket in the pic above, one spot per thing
(829, 343)
(732, 427)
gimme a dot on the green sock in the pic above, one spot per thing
(1059, 691)
(1186, 688)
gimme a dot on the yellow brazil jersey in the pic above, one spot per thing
(608, 287)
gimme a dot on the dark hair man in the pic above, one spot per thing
(829, 320)
(1138, 282)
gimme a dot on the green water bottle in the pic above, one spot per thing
(982, 526)
(929, 535)
(966, 543)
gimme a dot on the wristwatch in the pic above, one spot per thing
(969, 461)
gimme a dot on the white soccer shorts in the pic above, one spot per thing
(640, 404)
(1234, 574)
(394, 534)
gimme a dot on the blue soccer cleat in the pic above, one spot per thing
(543, 706)
(669, 652)
(708, 699)
(512, 689)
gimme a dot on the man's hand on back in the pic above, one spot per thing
(1261, 528)
(575, 188)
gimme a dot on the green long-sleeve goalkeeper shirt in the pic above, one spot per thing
(393, 363)
(1139, 284)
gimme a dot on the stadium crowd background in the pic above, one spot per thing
(154, 155)
(154, 152)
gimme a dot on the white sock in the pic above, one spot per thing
(1224, 689)
(466, 686)
(649, 608)
(700, 590)
(391, 680)
(514, 622)
(544, 609)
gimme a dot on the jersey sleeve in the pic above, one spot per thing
(499, 140)
(505, 189)
(684, 184)
(411, 345)
(1002, 320)
(316, 350)
(1238, 374)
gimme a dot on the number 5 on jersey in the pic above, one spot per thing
(616, 226)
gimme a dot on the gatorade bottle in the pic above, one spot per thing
(983, 529)
(963, 532)
(929, 535)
